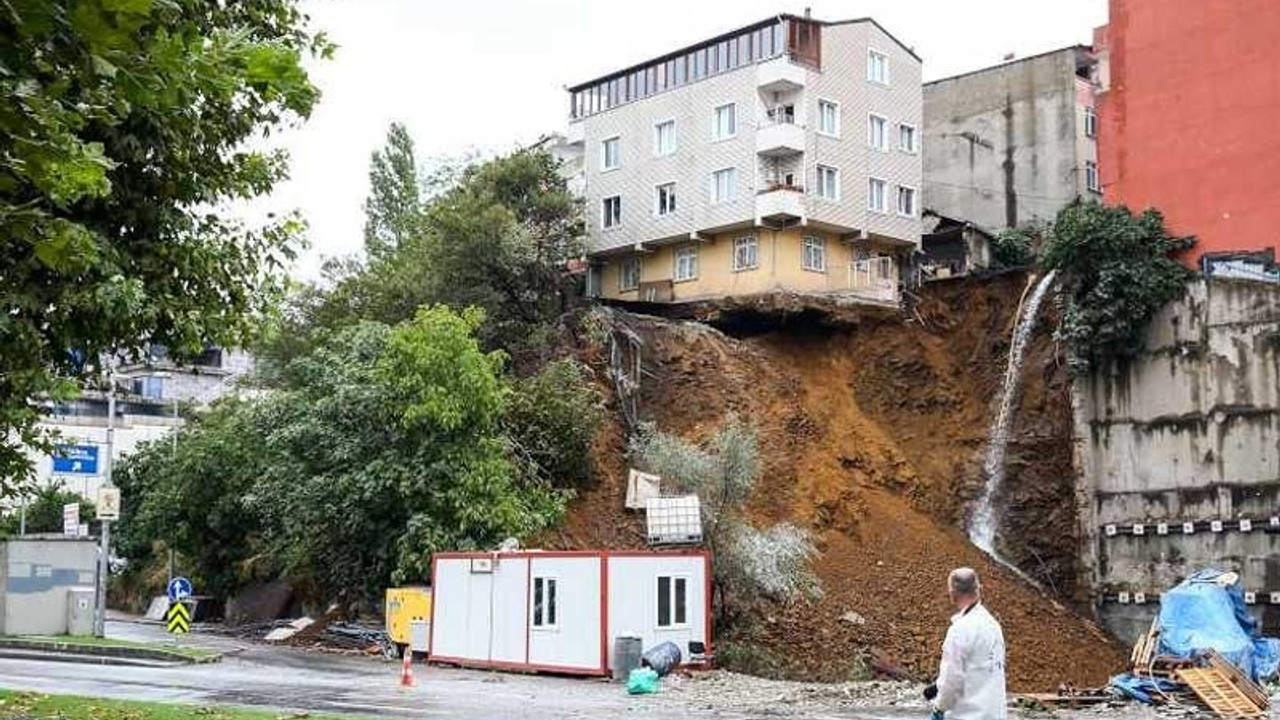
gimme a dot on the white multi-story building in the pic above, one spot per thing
(782, 156)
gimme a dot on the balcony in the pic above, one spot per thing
(779, 135)
(779, 203)
(574, 133)
(779, 75)
(875, 279)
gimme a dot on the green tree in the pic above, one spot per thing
(372, 451)
(1118, 271)
(551, 422)
(393, 211)
(750, 563)
(195, 494)
(1015, 247)
(44, 511)
(122, 123)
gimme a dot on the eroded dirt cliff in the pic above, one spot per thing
(872, 439)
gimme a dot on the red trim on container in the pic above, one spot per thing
(431, 631)
(524, 667)
(706, 587)
(528, 616)
(604, 613)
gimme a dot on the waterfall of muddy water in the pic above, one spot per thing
(982, 525)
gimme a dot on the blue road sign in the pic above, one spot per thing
(179, 589)
(76, 459)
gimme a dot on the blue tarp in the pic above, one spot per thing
(1201, 614)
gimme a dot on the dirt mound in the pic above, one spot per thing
(872, 439)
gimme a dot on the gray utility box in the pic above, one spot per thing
(80, 611)
(36, 574)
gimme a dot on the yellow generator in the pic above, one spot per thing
(409, 618)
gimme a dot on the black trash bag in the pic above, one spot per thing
(662, 658)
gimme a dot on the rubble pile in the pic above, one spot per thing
(871, 440)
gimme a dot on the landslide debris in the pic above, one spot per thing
(871, 438)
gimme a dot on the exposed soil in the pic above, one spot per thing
(871, 438)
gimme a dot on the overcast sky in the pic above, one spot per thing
(488, 75)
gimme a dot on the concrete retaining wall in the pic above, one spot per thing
(1188, 431)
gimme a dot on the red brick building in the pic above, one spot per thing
(1190, 117)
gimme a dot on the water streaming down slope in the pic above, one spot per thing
(982, 525)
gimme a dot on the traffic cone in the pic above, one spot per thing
(406, 671)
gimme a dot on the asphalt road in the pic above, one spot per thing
(287, 679)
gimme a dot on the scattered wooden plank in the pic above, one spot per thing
(1145, 650)
(1219, 693)
(1251, 689)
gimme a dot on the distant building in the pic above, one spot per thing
(784, 155)
(1012, 143)
(149, 397)
(1189, 101)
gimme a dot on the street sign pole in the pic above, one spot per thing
(104, 554)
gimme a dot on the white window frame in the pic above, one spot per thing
(715, 122)
(733, 186)
(819, 247)
(835, 106)
(884, 136)
(744, 241)
(657, 199)
(538, 615)
(1092, 180)
(1090, 121)
(884, 195)
(638, 264)
(835, 177)
(604, 153)
(657, 138)
(671, 601)
(914, 148)
(915, 200)
(685, 251)
(873, 53)
(604, 212)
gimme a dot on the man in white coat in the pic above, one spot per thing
(970, 682)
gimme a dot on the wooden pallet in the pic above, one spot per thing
(1222, 696)
(1246, 685)
(1144, 651)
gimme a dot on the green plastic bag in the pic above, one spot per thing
(642, 681)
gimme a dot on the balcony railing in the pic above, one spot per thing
(874, 279)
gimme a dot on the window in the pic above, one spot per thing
(744, 253)
(878, 132)
(828, 118)
(664, 137)
(878, 67)
(723, 184)
(815, 254)
(673, 601)
(876, 196)
(907, 138)
(611, 212)
(1090, 121)
(726, 122)
(828, 182)
(544, 602)
(686, 263)
(1091, 176)
(149, 387)
(665, 199)
(610, 153)
(629, 274)
(906, 201)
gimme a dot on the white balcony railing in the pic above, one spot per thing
(779, 137)
(780, 201)
(874, 279)
(779, 75)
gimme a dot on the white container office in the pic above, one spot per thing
(560, 611)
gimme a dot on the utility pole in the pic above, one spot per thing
(104, 555)
(173, 454)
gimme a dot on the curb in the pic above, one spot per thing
(84, 659)
(101, 654)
